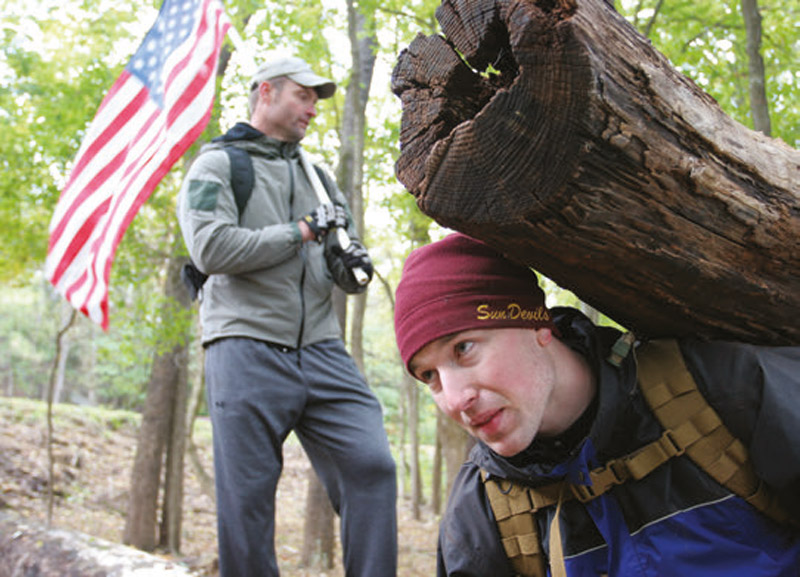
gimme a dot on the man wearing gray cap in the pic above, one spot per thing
(274, 358)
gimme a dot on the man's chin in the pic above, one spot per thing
(506, 447)
(504, 452)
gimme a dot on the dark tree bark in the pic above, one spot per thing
(194, 403)
(142, 518)
(571, 144)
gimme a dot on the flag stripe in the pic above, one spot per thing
(93, 185)
(100, 213)
(172, 155)
(95, 194)
(114, 127)
(158, 106)
(132, 170)
(89, 156)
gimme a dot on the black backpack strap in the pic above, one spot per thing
(242, 176)
(695, 428)
(242, 182)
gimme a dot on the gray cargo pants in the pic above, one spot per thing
(257, 394)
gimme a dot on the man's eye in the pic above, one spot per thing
(463, 347)
(430, 379)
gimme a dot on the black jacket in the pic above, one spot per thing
(653, 526)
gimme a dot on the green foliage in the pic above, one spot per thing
(58, 60)
(555, 296)
(123, 383)
(706, 41)
(27, 350)
(47, 88)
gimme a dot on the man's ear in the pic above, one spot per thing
(265, 90)
(544, 336)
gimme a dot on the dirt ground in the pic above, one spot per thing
(93, 457)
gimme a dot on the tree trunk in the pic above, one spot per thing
(350, 171)
(756, 78)
(167, 376)
(456, 444)
(571, 144)
(438, 466)
(318, 538)
(140, 522)
(403, 467)
(60, 339)
(412, 393)
(408, 457)
(63, 357)
(318, 542)
(172, 517)
(195, 402)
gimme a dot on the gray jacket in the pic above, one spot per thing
(264, 282)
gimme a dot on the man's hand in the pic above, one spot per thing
(355, 256)
(325, 217)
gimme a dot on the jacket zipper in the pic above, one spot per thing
(303, 256)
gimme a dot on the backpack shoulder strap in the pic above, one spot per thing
(242, 176)
(513, 508)
(242, 182)
(691, 427)
(672, 394)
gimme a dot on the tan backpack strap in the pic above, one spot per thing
(670, 390)
(557, 566)
(691, 426)
(513, 512)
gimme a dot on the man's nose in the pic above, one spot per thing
(459, 390)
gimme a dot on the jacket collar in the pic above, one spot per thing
(245, 136)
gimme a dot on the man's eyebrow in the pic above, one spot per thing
(412, 366)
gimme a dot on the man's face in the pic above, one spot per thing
(288, 111)
(498, 384)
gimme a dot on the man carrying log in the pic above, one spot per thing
(598, 455)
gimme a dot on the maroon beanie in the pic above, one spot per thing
(460, 283)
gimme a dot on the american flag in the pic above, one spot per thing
(154, 111)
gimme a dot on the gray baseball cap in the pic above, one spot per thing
(295, 69)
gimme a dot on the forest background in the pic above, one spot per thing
(60, 57)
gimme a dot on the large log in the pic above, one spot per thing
(28, 549)
(554, 131)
